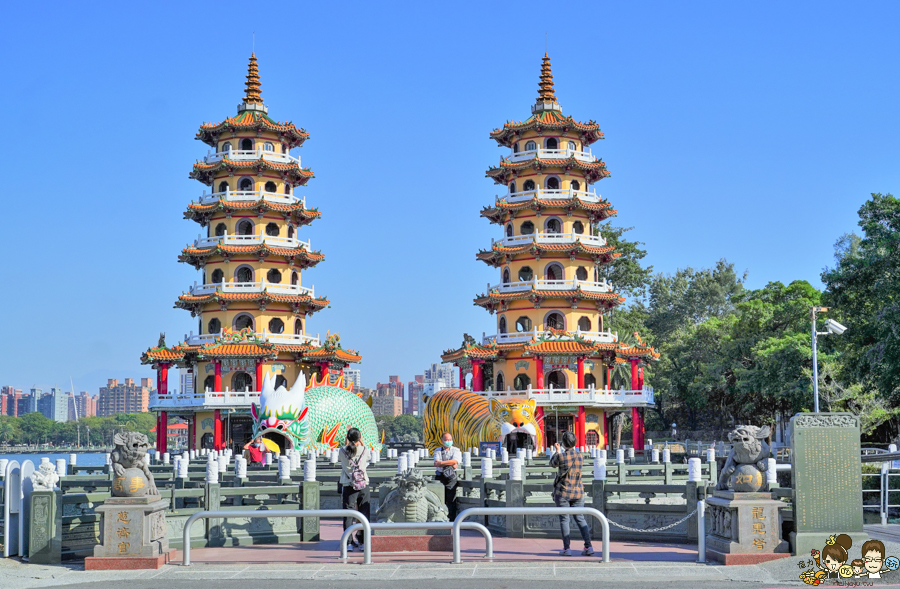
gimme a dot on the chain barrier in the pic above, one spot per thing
(672, 525)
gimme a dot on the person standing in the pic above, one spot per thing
(568, 491)
(354, 481)
(447, 459)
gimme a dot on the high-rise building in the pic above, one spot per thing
(31, 401)
(82, 405)
(413, 400)
(126, 397)
(186, 381)
(54, 405)
(387, 405)
(392, 387)
(441, 373)
(352, 376)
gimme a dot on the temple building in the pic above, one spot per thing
(251, 307)
(551, 344)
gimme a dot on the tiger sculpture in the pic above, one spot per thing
(471, 419)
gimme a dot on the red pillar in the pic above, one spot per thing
(637, 429)
(259, 374)
(217, 430)
(462, 378)
(158, 444)
(582, 426)
(217, 385)
(163, 378)
(539, 360)
(634, 373)
(580, 372)
(192, 445)
(609, 375)
(163, 445)
(641, 377)
(323, 371)
(539, 417)
(477, 376)
(605, 441)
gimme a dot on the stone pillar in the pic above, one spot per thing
(515, 497)
(133, 534)
(309, 491)
(45, 535)
(744, 528)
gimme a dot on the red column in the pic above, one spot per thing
(634, 373)
(158, 444)
(192, 445)
(323, 371)
(580, 372)
(637, 429)
(477, 380)
(163, 380)
(539, 417)
(539, 360)
(217, 430)
(641, 377)
(605, 429)
(609, 375)
(218, 381)
(163, 445)
(462, 378)
(259, 375)
(581, 428)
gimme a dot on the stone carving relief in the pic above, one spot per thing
(811, 420)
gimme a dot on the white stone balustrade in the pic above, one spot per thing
(551, 154)
(544, 284)
(551, 194)
(251, 196)
(255, 239)
(250, 155)
(252, 287)
(547, 237)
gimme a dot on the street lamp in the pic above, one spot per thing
(831, 327)
(673, 430)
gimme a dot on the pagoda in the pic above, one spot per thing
(251, 306)
(551, 343)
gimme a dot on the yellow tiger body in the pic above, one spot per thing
(472, 418)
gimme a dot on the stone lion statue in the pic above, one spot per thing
(131, 453)
(747, 447)
(45, 477)
(411, 501)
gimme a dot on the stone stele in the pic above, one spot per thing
(743, 528)
(133, 534)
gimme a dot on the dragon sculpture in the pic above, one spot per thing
(313, 417)
(411, 501)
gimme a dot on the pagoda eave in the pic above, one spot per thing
(298, 304)
(298, 213)
(290, 134)
(544, 121)
(296, 258)
(499, 302)
(502, 211)
(291, 172)
(499, 255)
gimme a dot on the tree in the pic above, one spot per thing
(626, 273)
(10, 430)
(36, 428)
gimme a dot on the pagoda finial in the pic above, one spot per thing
(545, 88)
(253, 92)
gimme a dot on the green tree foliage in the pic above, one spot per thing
(402, 428)
(34, 428)
(626, 273)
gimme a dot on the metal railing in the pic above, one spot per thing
(604, 523)
(488, 538)
(256, 513)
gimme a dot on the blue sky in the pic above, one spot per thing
(749, 131)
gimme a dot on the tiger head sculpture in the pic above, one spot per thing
(516, 418)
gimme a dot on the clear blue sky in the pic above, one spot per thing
(751, 131)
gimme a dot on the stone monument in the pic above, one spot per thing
(133, 519)
(744, 525)
(412, 501)
(825, 469)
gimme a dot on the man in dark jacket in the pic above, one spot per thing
(568, 491)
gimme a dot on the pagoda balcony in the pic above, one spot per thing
(253, 287)
(285, 242)
(251, 196)
(547, 237)
(552, 194)
(193, 339)
(589, 397)
(250, 155)
(541, 284)
(519, 337)
(214, 399)
(552, 154)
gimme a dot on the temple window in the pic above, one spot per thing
(529, 185)
(209, 382)
(243, 321)
(555, 321)
(218, 276)
(591, 437)
(270, 186)
(276, 326)
(290, 232)
(273, 276)
(502, 325)
(220, 229)
(246, 184)
(295, 280)
(226, 146)
(553, 226)
(272, 230)
(553, 183)
(530, 146)
(527, 228)
(584, 324)
(590, 381)
(241, 381)
(271, 147)
(512, 187)
(244, 274)
(298, 327)
(523, 324)
(578, 227)
(521, 382)
(246, 145)
(506, 276)
(509, 230)
(575, 185)
(552, 143)
(245, 227)
(223, 186)
(581, 273)
(525, 273)
(554, 271)
(572, 146)
(556, 380)
(501, 384)
(214, 326)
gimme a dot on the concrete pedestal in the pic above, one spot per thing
(133, 534)
(45, 541)
(744, 528)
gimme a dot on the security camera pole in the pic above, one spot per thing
(833, 327)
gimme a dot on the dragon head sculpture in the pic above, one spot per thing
(281, 412)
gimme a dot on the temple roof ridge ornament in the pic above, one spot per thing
(546, 93)
(253, 96)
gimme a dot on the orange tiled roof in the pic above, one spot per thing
(497, 255)
(321, 354)
(490, 351)
(300, 256)
(503, 174)
(598, 211)
(264, 350)
(567, 347)
(163, 354)
(291, 172)
(543, 121)
(637, 351)
(247, 120)
(195, 303)
(202, 213)
(496, 300)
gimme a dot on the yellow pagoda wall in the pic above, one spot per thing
(261, 318)
(515, 364)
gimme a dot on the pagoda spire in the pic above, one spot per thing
(253, 91)
(545, 87)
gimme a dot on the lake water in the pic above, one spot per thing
(82, 459)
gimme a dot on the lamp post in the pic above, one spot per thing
(831, 327)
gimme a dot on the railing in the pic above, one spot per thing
(250, 155)
(251, 196)
(547, 237)
(588, 396)
(607, 337)
(275, 338)
(551, 194)
(257, 513)
(206, 398)
(488, 539)
(543, 284)
(289, 242)
(202, 289)
(551, 154)
(604, 523)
